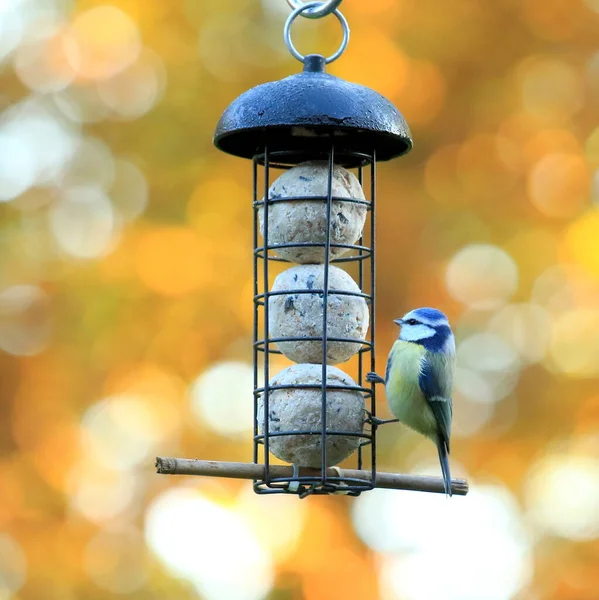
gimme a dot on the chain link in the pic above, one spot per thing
(325, 8)
(304, 8)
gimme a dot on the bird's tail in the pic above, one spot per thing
(444, 460)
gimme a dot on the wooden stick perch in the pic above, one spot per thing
(235, 470)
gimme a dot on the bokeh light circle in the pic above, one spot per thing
(83, 222)
(562, 492)
(101, 42)
(488, 368)
(101, 494)
(581, 242)
(134, 91)
(209, 545)
(482, 276)
(574, 348)
(559, 185)
(43, 66)
(121, 431)
(407, 527)
(526, 327)
(222, 397)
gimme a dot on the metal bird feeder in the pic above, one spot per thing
(325, 135)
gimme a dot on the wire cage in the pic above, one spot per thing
(362, 253)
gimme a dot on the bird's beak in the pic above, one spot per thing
(398, 321)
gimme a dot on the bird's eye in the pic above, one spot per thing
(412, 322)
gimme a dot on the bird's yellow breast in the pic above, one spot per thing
(404, 396)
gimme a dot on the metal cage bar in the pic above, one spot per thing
(372, 307)
(361, 286)
(363, 252)
(325, 309)
(256, 288)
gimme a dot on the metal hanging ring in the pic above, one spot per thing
(326, 8)
(299, 11)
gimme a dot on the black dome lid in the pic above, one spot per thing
(304, 112)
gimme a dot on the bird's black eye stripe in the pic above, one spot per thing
(412, 322)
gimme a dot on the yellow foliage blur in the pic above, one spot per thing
(126, 290)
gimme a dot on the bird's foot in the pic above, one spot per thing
(374, 378)
(375, 422)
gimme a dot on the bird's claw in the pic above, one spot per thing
(374, 378)
(370, 419)
(376, 422)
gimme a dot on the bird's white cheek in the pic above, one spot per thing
(414, 333)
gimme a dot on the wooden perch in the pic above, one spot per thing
(234, 470)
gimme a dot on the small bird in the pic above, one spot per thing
(419, 379)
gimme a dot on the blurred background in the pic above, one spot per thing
(125, 301)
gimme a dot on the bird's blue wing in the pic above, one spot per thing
(389, 365)
(435, 381)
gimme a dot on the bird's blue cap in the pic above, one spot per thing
(426, 315)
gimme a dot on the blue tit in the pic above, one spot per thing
(419, 379)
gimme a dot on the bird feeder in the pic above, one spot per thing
(314, 141)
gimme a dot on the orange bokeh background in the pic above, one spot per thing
(126, 301)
